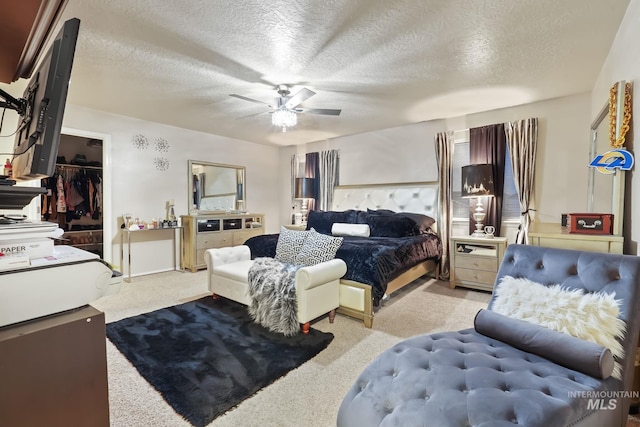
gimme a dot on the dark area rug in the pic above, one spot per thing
(206, 356)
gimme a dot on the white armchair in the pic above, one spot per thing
(317, 286)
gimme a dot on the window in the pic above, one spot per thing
(460, 206)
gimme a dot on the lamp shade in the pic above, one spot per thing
(477, 180)
(304, 188)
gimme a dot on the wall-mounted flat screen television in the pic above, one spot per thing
(42, 108)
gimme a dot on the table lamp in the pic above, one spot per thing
(477, 182)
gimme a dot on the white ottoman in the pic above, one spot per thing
(317, 286)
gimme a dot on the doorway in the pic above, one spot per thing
(81, 167)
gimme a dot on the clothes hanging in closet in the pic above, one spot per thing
(76, 192)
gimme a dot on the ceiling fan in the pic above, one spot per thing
(284, 114)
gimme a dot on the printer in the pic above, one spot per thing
(69, 278)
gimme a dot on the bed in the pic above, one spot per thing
(390, 257)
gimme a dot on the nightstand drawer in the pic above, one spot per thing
(478, 263)
(477, 276)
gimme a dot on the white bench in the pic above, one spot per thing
(317, 286)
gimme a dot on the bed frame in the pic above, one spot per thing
(356, 299)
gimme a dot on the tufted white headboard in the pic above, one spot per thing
(418, 197)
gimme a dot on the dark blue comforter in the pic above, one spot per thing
(370, 260)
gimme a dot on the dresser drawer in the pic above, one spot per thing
(580, 245)
(232, 224)
(239, 237)
(213, 240)
(479, 263)
(476, 276)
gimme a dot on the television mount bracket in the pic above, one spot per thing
(18, 104)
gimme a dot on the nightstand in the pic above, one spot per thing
(475, 261)
(295, 227)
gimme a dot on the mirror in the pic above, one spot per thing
(606, 192)
(600, 185)
(215, 187)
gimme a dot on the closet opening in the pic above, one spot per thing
(75, 193)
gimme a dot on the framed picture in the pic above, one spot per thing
(127, 220)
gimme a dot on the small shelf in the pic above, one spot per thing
(67, 165)
(475, 249)
(84, 245)
(80, 238)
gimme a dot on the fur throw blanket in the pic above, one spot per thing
(272, 291)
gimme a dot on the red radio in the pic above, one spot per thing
(590, 223)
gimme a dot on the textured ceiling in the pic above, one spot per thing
(384, 63)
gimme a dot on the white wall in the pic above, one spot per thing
(407, 153)
(139, 188)
(562, 154)
(6, 142)
(623, 63)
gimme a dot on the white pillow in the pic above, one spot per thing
(345, 229)
(592, 316)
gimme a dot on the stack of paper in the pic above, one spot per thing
(13, 261)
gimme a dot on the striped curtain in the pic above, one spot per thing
(312, 170)
(522, 140)
(487, 146)
(294, 174)
(328, 177)
(444, 156)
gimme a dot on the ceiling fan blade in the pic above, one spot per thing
(252, 115)
(249, 99)
(299, 97)
(327, 111)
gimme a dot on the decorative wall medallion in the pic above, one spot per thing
(140, 141)
(162, 145)
(161, 163)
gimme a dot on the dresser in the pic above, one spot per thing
(554, 235)
(54, 371)
(202, 232)
(475, 261)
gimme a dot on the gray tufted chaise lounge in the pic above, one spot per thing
(464, 378)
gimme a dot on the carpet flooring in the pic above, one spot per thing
(308, 396)
(206, 356)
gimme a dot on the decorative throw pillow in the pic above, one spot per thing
(290, 243)
(422, 222)
(380, 211)
(563, 349)
(398, 222)
(391, 226)
(322, 221)
(318, 248)
(591, 316)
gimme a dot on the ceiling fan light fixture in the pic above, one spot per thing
(284, 118)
